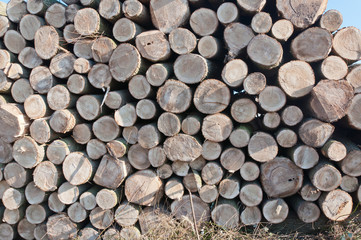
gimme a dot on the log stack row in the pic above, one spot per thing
(112, 112)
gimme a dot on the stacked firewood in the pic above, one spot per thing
(237, 112)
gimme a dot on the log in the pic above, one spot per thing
(251, 194)
(210, 47)
(345, 44)
(208, 193)
(87, 199)
(349, 184)
(110, 10)
(116, 99)
(272, 99)
(28, 26)
(307, 212)
(54, 203)
(262, 147)
(3, 187)
(62, 65)
(240, 137)
(353, 77)
(169, 124)
(174, 189)
(181, 96)
(63, 121)
(106, 129)
(99, 76)
(282, 30)
(167, 22)
(336, 205)
(249, 171)
(107, 199)
(237, 37)
(6, 155)
(322, 105)
(275, 210)
(251, 7)
(126, 115)
(36, 214)
(15, 71)
(147, 109)
(212, 173)
(150, 217)
(235, 72)
(139, 87)
(334, 68)
(59, 149)
(211, 150)
(15, 10)
(315, 133)
(182, 41)
(39, 8)
(83, 47)
(144, 188)
(331, 20)
(211, 96)
(243, 110)
(96, 149)
(165, 171)
(5, 83)
(182, 147)
(102, 49)
(226, 214)
(308, 192)
(179, 168)
(334, 150)
(261, 22)
(229, 188)
(191, 68)
(46, 176)
(82, 66)
(312, 45)
(15, 175)
(232, 159)
(46, 42)
(14, 42)
(71, 11)
(33, 194)
(87, 22)
(192, 181)
(117, 148)
(78, 84)
(291, 115)
(89, 106)
(191, 124)
(59, 226)
(111, 233)
(55, 15)
(138, 157)
(77, 168)
(26, 229)
(286, 138)
(41, 79)
(158, 73)
(69, 194)
(12, 217)
(82, 133)
(17, 127)
(153, 45)
(125, 30)
(13, 198)
(70, 34)
(59, 98)
(111, 172)
(227, 13)
(149, 136)
(204, 22)
(5, 25)
(217, 127)
(40, 232)
(127, 214)
(251, 216)
(27, 152)
(6, 58)
(130, 233)
(136, 11)
(304, 156)
(130, 134)
(88, 233)
(21, 90)
(350, 164)
(90, 3)
(301, 14)
(353, 113)
(325, 177)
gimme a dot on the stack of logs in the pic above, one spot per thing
(237, 112)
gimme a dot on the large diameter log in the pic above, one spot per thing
(307, 212)
(27, 152)
(315, 133)
(59, 226)
(226, 214)
(265, 52)
(46, 42)
(353, 114)
(322, 102)
(192, 208)
(126, 214)
(29, 24)
(14, 41)
(312, 45)
(15, 175)
(296, 78)
(237, 37)
(41, 79)
(325, 177)
(331, 20)
(275, 210)
(182, 147)
(144, 188)
(262, 147)
(46, 176)
(112, 172)
(272, 99)
(217, 127)
(182, 41)
(345, 44)
(204, 22)
(191, 68)
(14, 123)
(282, 30)
(304, 156)
(336, 205)
(280, 177)
(301, 14)
(88, 22)
(350, 165)
(174, 96)
(153, 45)
(164, 21)
(106, 129)
(211, 96)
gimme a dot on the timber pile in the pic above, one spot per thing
(237, 112)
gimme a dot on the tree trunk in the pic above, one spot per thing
(318, 179)
(18, 127)
(55, 204)
(26, 229)
(136, 11)
(309, 192)
(147, 109)
(191, 124)
(334, 68)
(69, 194)
(63, 121)
(179, 168)
(282, 30)
(291, 115)
(100, 76)
(36, 214)
(165, 171)
(349, 184)
(192, 181)
(21, 90)
(272, 99)
(250, 6)
(55, 15)
(353, 116)
(235, 72)
(334, 150)
(345, 44)
(249, 171)
(28, 26)
(106, 129)
(353, 77)
(262, 147)
(275, 210)
(229, 188)
(181, 96)
(251, 194)
(117, 148)
(169, 124)
(47, 176)
(130, 134)
(71, 11)
(226, 214)
(83, 47)
(336, 205)
(232, 159)
(27, 152)
(13, 198)
(127, 214)
(87, 199)
(182, 41)
(174, 189)
(117, 99)
(33, 194)
(315, 133)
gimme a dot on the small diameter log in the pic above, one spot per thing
(82, 66)
(153, 45)
(6, 155)
(251, 194)
(158, 73)
(157, 156)
(89, 106)
(322, 103)
(88, 232)
(125, 62)
(211, 150)
(174, 189)
(182, 209)
(102, 49)
(235, 72)
(211, 96)
(237, 37)
(126, 214)
(240, 137)
(165, 171)
(192, 181)
(292, 115)
(99, 76)
(46, 42)
(129, 233)
(204, 22)
(125, 30)
(290, 75)
(90, 3)
(325, 177)
(59, 98)
(107, 199)
(46, 176)
(117, 99)
(169, 124)
(12, 217)
(210, 47)
(26, 229)
(307, 212)
(27, 152)
(59, 226)
(36, 214)
(70, 34)
(227, 13)
(212, 173)
(18, 124)
(182, 147)
(62, 65)
(243, 110)
(41, 79)
(83, 47)
(312, 45)
(179, 168)
(5, 25)
(39, 8)
(208, 193)
(40, 232)
(3, 187)
(106, 129)
(331, 20)
(14, 42)
(336, 205)
(282, 30)
(15, 10)
(275, 210)
(265, 52)
(78, 84)
(251, 216)
(117, 148)
(249, 171)
(345, 44)
(15, 175)
(136, 11)
(251, 7)
(146, 109)
(191, 124)
(144, 188)
(191, 68)
(349, 184)
(71, 11)
(126, 115)
(334, 150)
(280, 177)
(59, 149)
(229, 188)
(304, 156)
(217, 127)
(301, 14)
(354, 77)
(226, 214)
(111, 172)
(33, 194)
(96, 149)
(272, 99)
(82, 133)
(232, 159)
(152, 216)
(138, 157)
(353, 116)
(261, 22)
(182, 41)
(55, 204)
(149, 136)
(110, 10)
(13, 198)
(334, 68)
(350, 165)
(315, 133)
(69, 194)
(139, 87)
(63, 121)
(77, 168)
(286, 138)
(181, 96)
(262, 147)
(28, 26)
(55, 15)
(87, 199)
(21, 90)
(167, 22)
(308, 192)
(87, 22)
(6, 57)
(198, 164)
